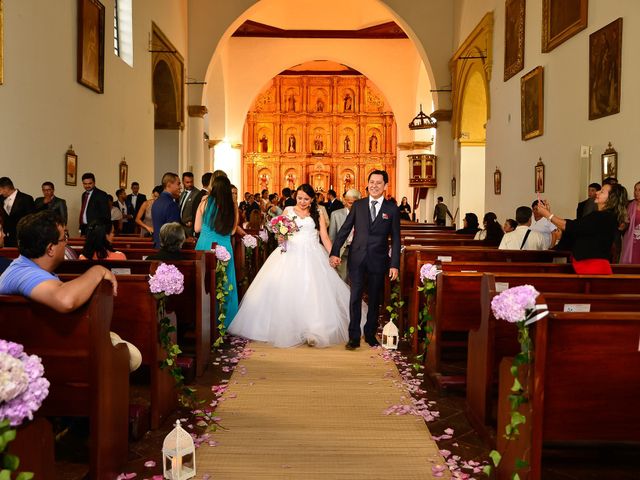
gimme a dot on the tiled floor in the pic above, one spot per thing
(560, 463)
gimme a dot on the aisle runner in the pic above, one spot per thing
(309, 413)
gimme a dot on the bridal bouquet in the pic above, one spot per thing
(283, 227)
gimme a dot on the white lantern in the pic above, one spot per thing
(178, 455)
(390, 336)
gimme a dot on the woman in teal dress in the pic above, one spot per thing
(216, 221)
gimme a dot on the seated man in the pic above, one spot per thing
(523, 237)
(42, 240)
(172, 237)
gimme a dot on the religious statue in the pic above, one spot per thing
(347, 144)
(348, 102)
(291, 103)
(318, 143)
(264, 181)
(264, 143)
(319, 105)
(292, 143)
(373, 143)
(291, 181)
(347, 182)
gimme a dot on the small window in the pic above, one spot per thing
(123, 30)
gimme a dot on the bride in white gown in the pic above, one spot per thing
(297, 297)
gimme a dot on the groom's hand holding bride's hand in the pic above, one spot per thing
(393, 274)
(334, 261)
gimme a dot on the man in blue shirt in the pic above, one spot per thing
(165, 208)
(42, 240)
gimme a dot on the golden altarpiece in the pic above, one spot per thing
(329, 131)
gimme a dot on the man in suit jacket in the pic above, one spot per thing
(165, 208)
(94, 204)
(15, 205)
(197, 198)
(337, 220)
(186, 203)
(49, 201)
(333, 204)
(373, 219)
(135, 200)
(587, 206)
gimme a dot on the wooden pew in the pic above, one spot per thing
(585, 383)
(192, 307)
(454, 315)
(496, 339)
(139, 326)
(89, 376)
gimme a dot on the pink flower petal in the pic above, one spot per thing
(149, 464)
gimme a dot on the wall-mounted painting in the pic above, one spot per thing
(539, 177)
(513, 37)
(561, 20)
(123, 173)
(605, 59)
(609, 163)
(531, 103)
(497, 182)
(91, 44)
(70, 167)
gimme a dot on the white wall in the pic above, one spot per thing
(44, 109)
(470, 184)
(566, 124)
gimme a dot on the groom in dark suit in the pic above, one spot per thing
(373, 219)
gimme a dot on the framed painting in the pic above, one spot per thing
(513, 37)
(123, 173)
(91, 44)
(531, 103)
(453, 187)
(605, 62)
(70, 167)
(561, 20)
(539, 177)
(497, 182)
(609, 163)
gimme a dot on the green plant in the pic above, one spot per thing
(9, 463)
(425, 329)
(223, 289)
(395, 302)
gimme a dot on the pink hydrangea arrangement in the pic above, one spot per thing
(168, 280)
(264, 236)
(222, 254)
(428, 272)
(514, 304)
(22, 385)
(250, 241)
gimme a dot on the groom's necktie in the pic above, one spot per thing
(373, 210)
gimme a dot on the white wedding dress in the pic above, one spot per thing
(296, 297)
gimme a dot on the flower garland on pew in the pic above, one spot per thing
(428, 274)
(223, 289)
(518, 305)
(395, 302)
(168, 280)
(22, 391)
(250, 244)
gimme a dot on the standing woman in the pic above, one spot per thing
(631, 241)
(216, 221)
(592, 236)
(405, 210)
(144, 218)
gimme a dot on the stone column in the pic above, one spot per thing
(196, 161)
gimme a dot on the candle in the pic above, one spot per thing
(176, 468)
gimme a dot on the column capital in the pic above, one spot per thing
(197, 110)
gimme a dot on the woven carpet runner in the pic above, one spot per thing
(310, 413)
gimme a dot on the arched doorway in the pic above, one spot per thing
(168, 100)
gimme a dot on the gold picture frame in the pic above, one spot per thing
(605, 64)
(539, 177)
(609, 163)
(497, 182)
(123, 174)
(70, 167)
(532, 103)
(453, 187)
(91, 44)
(561, 20)
(514, 13)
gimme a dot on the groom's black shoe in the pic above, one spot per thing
(372, 342)
(352, 345)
